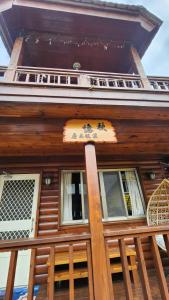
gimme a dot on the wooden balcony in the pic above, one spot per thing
(150, 283)
(83, 79)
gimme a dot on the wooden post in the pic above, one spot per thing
(15, 60)
(139, 68)
(99, 263)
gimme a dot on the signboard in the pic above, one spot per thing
(82, 131)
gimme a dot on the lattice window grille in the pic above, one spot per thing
(16, 204)
(13, 235)
(16, 201)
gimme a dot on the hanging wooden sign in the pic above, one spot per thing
(82, 131)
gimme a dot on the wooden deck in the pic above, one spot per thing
(81, 290)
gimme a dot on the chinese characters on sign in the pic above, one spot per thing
(80, 131)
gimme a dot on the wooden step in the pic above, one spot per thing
(117, 268)
(83, 272)
(77, 273)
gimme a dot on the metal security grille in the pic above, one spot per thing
(16, 200)
(13, 235)
(16, 205)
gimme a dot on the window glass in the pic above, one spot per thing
(74, 197)
(132, 193)
(85, 196)
(113, 193)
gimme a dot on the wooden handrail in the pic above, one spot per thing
(8, 245)
(139, 231)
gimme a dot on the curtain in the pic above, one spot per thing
(67, 197)
(135, 197)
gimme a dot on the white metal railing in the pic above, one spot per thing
(46, 77)
(77, 78)
(128, 83)
(159, 84)
(83, 79)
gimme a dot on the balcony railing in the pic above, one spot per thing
(159, 84)
(70, 244)
(70, 256)
(138, 236)
(83, 79)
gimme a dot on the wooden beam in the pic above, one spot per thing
(99, 263)
(139, 68)
(16, 58)
(6, 36)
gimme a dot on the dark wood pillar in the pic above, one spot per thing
(16, 57)
(99, 263)
(139, 68)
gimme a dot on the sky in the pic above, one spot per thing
(156, 58)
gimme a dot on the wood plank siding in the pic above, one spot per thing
(48, 220)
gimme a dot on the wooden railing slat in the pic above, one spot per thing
(109, 271)
(90, 273)
(51, 274)
(11, 275)
(126, 274)
(166, 240)
(143, 271)
(31, 275)
(159, 269)
(71, 276)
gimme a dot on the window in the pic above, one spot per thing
(120, 194)
(74, 197)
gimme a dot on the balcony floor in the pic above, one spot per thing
(81, 290)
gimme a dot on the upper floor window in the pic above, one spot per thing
(120, 194)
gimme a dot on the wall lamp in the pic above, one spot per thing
(151, 175)
(48, 180)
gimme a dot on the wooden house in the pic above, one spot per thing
(83, 145)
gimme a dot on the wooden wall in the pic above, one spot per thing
(48, 216)
(49, 207)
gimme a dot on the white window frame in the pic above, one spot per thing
(83, 220)
(103, 197)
